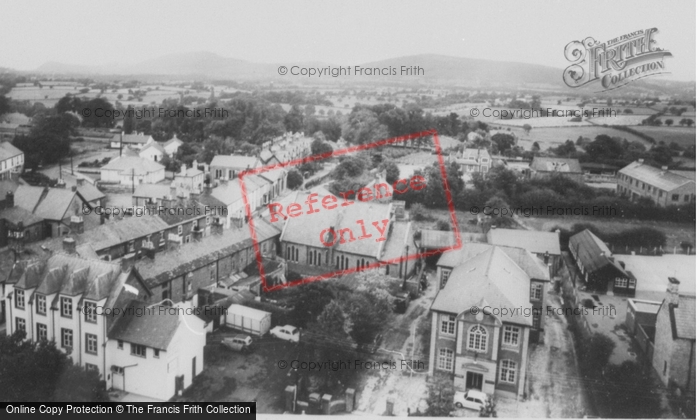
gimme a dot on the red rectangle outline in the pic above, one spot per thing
(443, 173)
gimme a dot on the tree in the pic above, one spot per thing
(49, 139)
(535, 147)
(309, 110)
(604, 147)
(669, 122)
(100, 113)
(130, 121)
(392, 171)
(294, 179)
(367, 312)
(332, 320)
(294, 120)
(4, 105)
(38, 371)
(527, 128)
(319, 146)
(363, 127)
(502, 142)
(596, 352)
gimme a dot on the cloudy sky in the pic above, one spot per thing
(336, 32)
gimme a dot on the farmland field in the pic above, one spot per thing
(684, 136)
(552, 137)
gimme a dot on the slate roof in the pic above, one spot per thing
(534, 268)
(237, 162)
(151, 190)
(56, 203)
(434, 239)
(181, 210)
(490, 278)
(683, 317)
(306, 229)
(593, 252)
(401, 236)
(90, 192)
(685, 174)
(152, 328)
(173, 140)
(16, 214)
(533, 241)
(548, 164)
(28, 197)
(188, 257)
(7, 151)
(132, 138)
(664, 180)
(140, 166)
(153, 145)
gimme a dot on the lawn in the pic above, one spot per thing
(552, 137)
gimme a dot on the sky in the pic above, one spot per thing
(339, 32)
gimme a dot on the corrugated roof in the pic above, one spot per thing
(533, 241)
(664, 180)
(593, 252)
(548, 164)
(490, 278)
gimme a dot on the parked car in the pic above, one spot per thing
(371, 347)
(239, 342)
(286, 332)
(472, 399)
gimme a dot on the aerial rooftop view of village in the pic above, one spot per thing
(349, 208)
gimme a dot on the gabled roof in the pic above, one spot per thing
(139, 165)
(28, 197)
(230, 191)
(306, 229)
(491, 277)
(16, 214)
(549, 164)
(683, 317)
(187, 257)
(152, 145)
(530, 264)
(151, 190)
(131, 138)
(664, 180)
(90, 192)
(152, 328)
(56, 204)
(533, 241)
(173, 141)
(7, 151)
(435, 239)
(593, 252)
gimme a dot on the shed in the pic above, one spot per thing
(248, 320)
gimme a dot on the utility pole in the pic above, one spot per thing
(121, 139)
(132, 181)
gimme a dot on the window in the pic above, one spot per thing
(131, 246)
(447, 326)
(194, 225)
(120, 344)
(66, 307)
(674, 197)
(89, 366)
(156, 353)
(41, 304)
(444, 275)
(536, 291)
(445, 359)
(208, 220)
(138, 350)
(19, 298)
(477, 339)
(179, 229)
(91, 343)
(620, 282)
(686, 198)
(66, 337)
(90, 312)
(536, 314)
(20, 324)
(187, 239)
(511, 335)
(41, 332)
(508, 370)
(632, 284)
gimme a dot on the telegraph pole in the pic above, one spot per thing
(132, 181)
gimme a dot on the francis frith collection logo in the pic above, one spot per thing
(615, 63)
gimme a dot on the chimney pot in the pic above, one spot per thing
(672, 291)
(128, 261)
(69, 245)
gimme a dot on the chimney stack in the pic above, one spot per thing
(80, 182)
(664, 168)
(183, 169)
(640, 160)
(9, 200)
(672, 291)
(76, 224)
(128, 261)
(69, 245)
(74, 188)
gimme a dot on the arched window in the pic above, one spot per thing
(477, 339)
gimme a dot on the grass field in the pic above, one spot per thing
(684, 136)
(552, 137)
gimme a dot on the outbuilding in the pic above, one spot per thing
(250, 320)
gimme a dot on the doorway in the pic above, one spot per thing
(474, 380)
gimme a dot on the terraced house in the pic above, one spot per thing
(481, 323)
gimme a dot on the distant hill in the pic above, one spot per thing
(438, 69)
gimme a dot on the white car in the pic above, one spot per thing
(472, 399)
(287, 333)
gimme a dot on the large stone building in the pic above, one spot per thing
(663, 187)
